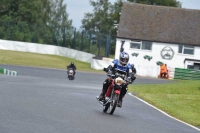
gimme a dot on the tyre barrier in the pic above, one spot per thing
(186, 74)
(171, 72)
(8, 72)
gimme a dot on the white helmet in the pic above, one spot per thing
(124, 58)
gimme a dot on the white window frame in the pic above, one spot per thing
(185, 47)
(140, 43)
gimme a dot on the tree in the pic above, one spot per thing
(59, 21)
(25, 20)
(100, 19)
(4, 7)
(99, 23)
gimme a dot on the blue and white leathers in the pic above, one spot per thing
(126, 68)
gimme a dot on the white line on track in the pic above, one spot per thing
(164, 112)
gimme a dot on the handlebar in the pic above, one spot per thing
(111, 75)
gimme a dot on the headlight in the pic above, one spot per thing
(119, 81)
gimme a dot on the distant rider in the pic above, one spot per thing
(72, 65)
(121, 64)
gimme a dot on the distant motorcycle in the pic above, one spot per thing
(118, 79)
(70, 73)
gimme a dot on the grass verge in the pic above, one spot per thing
(180, 99)
(42, 60)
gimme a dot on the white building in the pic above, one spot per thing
(157, 33)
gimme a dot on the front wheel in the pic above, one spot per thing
(113, 104)
(106, 107)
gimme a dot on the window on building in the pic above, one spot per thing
(135, 45)
(144, 45)
(196, 66)
(180, 48)
(190, 67)
(186, 49)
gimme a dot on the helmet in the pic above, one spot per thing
(124, 58)
(72, 63)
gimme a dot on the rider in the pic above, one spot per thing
(123, 65)
(72, 65)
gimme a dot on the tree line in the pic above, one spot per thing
(33, 20)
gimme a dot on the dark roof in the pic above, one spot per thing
(159, 24)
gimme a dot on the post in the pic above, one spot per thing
(74, 40)
(7, 36)
(89, 41)
(64, 37)
(81, 47)
(34, 40)
(107, 45)
(99, 44)
(53, 37)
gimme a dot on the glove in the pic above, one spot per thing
(105, 69)
(134, 71)
(108, 68)
(133, 77)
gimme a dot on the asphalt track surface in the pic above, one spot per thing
(45, 101)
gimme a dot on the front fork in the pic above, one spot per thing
(110, 88)
(111, 91)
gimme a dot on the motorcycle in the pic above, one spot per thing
(70, 73)
(118, 79)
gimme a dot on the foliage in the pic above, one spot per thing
(30, 20)
(173, 3)
(46, 22)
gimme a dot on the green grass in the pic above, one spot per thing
(180, 99)
(41, 60)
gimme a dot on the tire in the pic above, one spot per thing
(106, 107)
(113, 104)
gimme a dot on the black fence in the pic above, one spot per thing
(87, 41)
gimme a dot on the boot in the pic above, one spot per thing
(101, 96)
(119, 103)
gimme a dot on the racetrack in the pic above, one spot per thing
(45, 101)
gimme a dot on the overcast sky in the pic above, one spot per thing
(77, 8)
